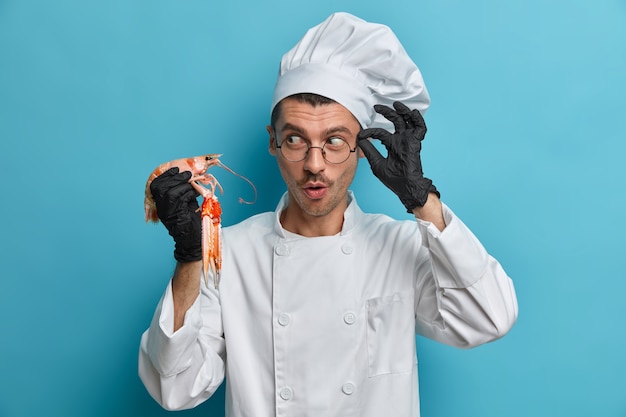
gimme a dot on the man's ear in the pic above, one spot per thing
(272, 142)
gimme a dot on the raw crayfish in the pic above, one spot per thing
(211, 210)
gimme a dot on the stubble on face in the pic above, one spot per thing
(335, 197)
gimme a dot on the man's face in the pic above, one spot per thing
(316, 187)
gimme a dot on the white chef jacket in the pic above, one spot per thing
(325, 326)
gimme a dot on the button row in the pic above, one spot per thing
(286, 393)
(349, 318)
(283, 250)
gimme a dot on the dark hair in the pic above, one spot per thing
(308, 98)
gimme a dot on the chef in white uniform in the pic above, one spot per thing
(319, 303)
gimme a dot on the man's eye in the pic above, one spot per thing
(294, 141)
(335, 143)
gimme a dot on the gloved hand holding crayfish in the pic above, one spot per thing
(171, 197)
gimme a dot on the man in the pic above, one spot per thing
(319, 303)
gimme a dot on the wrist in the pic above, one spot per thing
(185, 289)
(431, 211)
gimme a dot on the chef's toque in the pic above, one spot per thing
(357, 64)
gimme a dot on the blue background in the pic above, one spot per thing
(526, 142)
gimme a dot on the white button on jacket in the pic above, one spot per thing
(326, 326)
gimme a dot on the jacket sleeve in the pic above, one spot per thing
(182, 369)
(464, 297)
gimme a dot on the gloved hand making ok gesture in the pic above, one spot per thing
(401, 171)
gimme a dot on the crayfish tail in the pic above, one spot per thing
(150, 212)
(216, 279)
(205, 272)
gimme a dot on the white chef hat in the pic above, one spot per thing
(357, 64)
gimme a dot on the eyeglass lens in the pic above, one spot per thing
(334, 151)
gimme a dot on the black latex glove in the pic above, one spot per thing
(177, 209)
(401, 171)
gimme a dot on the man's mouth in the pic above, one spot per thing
(315, 191)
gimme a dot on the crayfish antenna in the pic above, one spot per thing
(241, 200)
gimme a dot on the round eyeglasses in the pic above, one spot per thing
(334, 150)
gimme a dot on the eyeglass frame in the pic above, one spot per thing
(321, 148)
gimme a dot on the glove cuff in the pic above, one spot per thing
(420, 195)
(433, 189)
(184, 255)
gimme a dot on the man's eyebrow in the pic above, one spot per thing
(327, 132)
(294, 128)
(337, 129)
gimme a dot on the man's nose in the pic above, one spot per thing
(314, 161)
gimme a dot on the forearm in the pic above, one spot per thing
(466, 298)
(432, 212)
(185, 289)
(172, 362)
